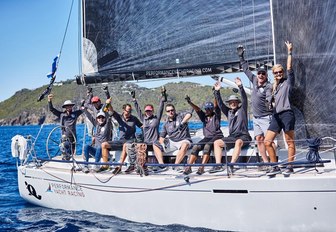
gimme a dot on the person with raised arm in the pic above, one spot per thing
(175, 133)
(103, 134)
(260, 98)
(94, 105)
(211, 131)
(283, 116)
(68, 119)
(127, 128)
(236, 113)
(150, 128)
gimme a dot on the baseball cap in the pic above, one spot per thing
(101, 113)
(95, 99)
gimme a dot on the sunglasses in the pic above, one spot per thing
(262, 73)
(279, 72)
(100, 117)
(172, 110)
(128, 111)
(209, 109)
(148, 111)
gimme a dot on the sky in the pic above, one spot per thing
(31, 36)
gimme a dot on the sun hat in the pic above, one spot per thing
(233, 98)
(67, 103)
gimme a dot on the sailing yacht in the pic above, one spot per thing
(142, 41)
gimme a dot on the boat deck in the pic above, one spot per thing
(238, 171)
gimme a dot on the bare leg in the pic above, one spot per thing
(181, 153)
(205, 158)
(123, 154)
(158, 154)
(237, 149)
(105, 151)
(218, 149)
(269, 140)
(192, 159)
(289, 136)
(261, 147)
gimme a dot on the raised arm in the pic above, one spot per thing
(89, 96)
(195, 107)
(242, 93)
(89, 116)
(244, 63)
(290, 72)
(289, 57)
(219, 99)
(161, 106)
(137, 107)
(51, 107)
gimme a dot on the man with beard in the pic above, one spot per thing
(68, 119)
(261, 95)
(177, 130)
(127, 128)
(94, 105)
(211, 130)
(236, 114)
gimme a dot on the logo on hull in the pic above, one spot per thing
(32, 191)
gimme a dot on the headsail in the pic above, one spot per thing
(127, 40)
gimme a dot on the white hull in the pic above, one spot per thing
(305, 201)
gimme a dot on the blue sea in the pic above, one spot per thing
(18, 215)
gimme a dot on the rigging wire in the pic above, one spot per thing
(270, 28)
(79, 38)
(65, 33)
(273, 37)
(254, 32)
(243, 17)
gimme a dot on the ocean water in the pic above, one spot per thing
(18, 215)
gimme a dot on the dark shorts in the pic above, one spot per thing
(230, 140)
(282, 121)
(117, 145)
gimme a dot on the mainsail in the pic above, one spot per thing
(133, 40)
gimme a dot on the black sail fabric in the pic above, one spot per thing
(309, 25)
(154, 39)
(137, 40)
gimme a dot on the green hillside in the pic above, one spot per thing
(23, 108)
